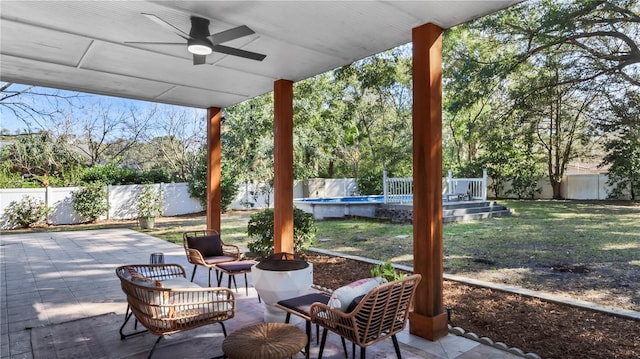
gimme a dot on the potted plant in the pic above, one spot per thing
(148, 205)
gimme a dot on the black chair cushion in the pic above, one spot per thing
(208, 246)
(354, 303)
(302, 304)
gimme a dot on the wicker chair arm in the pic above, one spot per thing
(323, 312)
(231, 250)
(195, 257)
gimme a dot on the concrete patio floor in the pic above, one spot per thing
(56, 277)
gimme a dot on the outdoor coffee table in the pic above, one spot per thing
(233, 268)
(264, 341)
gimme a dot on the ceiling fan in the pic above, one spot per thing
(201, 43)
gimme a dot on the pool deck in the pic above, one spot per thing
(56, 277)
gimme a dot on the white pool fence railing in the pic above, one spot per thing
(399, 190)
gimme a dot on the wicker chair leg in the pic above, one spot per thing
(193, 274)
(324, 339)
(308, 331)
(363, 352)
(154, 347)
(219, 278)
(396, 346)
(128, 314)
(224, 330)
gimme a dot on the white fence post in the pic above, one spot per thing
(47, 203)
(385, 186)
(450, 182)
(484, 184)
(108, 201)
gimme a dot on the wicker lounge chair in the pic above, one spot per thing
(161, 298)
(381, 313)
(205, 248)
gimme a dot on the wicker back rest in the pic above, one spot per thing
(384, 311)
(194, 256)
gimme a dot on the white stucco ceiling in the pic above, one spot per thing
(80, 45)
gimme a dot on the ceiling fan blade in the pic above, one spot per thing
(231, 34)
(167, 26)
(238, 52)
(199, 59)
(154, 43)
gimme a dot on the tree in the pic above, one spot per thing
(475, 97)
(599, 37)
(247, 138)
(552, 58)
(42, 158)
(105, 132)
(198, 182)
(31, 105)
(377, 117)
(173, 142)
(623, 146)
(557, 114)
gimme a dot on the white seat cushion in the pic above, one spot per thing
(343, 296)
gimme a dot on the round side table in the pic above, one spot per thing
(264, 341)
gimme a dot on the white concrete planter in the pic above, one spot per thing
(274, 286)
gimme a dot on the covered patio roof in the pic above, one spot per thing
(80, 45)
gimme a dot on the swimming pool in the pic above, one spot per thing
(338, 207)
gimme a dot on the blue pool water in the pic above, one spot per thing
(353, 199)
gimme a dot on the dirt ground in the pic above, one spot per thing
(547, 329)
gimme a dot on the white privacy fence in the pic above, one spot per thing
(400, 190)
(121, 199)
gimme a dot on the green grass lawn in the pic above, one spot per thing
(538, 231)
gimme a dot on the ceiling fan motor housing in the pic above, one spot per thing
(199, 28)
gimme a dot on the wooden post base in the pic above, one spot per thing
(431, 328)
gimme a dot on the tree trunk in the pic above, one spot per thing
(557, 189)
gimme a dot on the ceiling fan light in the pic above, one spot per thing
(199, 47)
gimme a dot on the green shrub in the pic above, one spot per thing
(386, 271)
(91, 201)
(370, 184)
(26, 212)
(260, 228)
(149, 202)
(155, 175)
(109, 174)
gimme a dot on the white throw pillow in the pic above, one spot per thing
(178, 283)
(343, 296)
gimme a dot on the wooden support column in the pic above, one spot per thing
(283, 166)
(428, 320)
(214, 168)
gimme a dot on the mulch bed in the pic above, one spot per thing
(548, 329)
